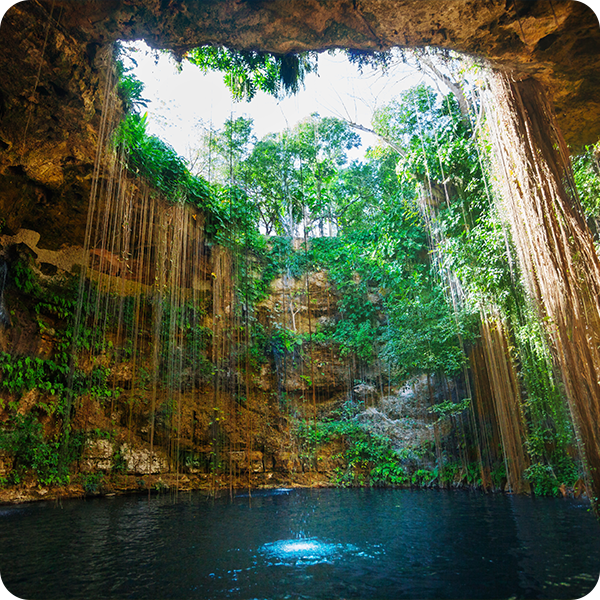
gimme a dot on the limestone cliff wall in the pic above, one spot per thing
(223, 426)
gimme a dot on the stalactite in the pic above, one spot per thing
(554, 245)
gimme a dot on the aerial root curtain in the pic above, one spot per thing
(554, 244)
(506, 399)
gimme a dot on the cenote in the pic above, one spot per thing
(391, 343)
(319, 543)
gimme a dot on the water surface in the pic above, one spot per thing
(332, 543)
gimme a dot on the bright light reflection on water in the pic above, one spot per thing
(311, 551)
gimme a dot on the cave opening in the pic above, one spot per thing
(298, 188)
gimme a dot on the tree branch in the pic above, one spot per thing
(453, 86)
(389, 142)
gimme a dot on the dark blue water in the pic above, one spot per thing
(301, 544)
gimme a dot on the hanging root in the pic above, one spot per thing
(554, 245)
(4, 312)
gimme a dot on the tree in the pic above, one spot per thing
(271, 179)
(222, 151)
(321, 144)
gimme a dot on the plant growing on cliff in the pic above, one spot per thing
(154, 160)
(129, 87)
(369, 459)
(247, 71)
(586, 169)
(22, 438)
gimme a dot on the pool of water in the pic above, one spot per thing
(331, 543)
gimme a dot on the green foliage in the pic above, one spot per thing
(21, 374)
(130, 90)
(422, 477)
(586, 170)
(154, 160)
(280, 259)
(498, 475)
(23, 439)
(292, 176)
(129, 87)
(55, 380)
(246, 72)
(547, 479)
(447, 408)
(368, 459)
(442, 172)
(420, 331)
(93, 483)
(302, 175)
(550, 437)
(284, 341)
(259, 346)
(423, 335)
(474, 474)
(24, 278)
(230, 218)
(119, 463)
(52, 377)
(450, 473)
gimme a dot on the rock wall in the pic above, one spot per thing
(302, 307)
(50, 108)
(228, 427)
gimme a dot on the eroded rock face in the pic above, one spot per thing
(302, 307)
(49, 95)
(50, 109)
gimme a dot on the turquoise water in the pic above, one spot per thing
(331, 543)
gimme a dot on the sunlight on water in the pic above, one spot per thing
(299, 546)
(311, 551)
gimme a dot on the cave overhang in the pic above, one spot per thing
(555, 41)
(55, 54)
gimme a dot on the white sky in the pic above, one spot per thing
(180, 101)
